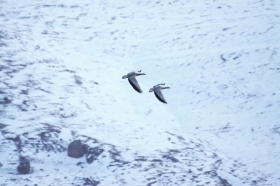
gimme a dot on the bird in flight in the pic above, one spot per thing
(157, 90)
(132, 79)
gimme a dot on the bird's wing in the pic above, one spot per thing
(160, 96)
(134, 84)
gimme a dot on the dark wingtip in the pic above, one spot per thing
(159, 98)
(135, 88)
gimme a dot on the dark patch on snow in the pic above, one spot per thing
(78, 80)
(2, 125)
(223, 58)
(174, 160)
(93, 153)
(140, 159)
(24, 166)
(2, 92)
(90, 182)
(25, 92)
(150, 184)
(5, 101)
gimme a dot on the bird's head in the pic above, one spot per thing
(125, 76)
(151, 90)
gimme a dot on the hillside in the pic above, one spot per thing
(61, 68)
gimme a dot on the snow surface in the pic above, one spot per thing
(61, 64)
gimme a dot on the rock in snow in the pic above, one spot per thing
(76, 149)
(24, 166)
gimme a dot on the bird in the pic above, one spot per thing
(132, 80)
(157, 90)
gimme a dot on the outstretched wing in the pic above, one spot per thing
(132, 80)
(160, 96)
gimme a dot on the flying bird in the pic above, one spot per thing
(132, 80)
(157, 90)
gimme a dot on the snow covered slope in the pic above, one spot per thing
(61, 64)
(222, 61)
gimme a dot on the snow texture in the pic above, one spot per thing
(61, 68)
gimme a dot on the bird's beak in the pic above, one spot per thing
(124, 77)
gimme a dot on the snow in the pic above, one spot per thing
(61, 64)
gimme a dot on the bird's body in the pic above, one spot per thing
(132, 80)
(157, 90)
